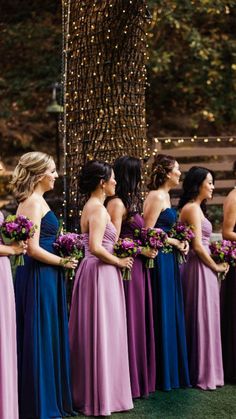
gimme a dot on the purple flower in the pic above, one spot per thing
(127, 248)
(70, 244)
(223, 251)
(182, 231)
(155, 238)
(17, 228)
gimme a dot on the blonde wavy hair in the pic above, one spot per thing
(28, 172)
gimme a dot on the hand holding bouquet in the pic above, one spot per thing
(222, 251)
(70, 246)
(17, 228)
(154, 238)
(126, 248)
(232, 257)
(184, 233)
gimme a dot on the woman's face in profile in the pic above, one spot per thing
(207, 187)
(175, 174)
(49, 177)
(110, 185)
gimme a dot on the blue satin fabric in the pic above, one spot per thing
(171, 351)
(42, 334)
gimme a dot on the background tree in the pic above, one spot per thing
(192, 67)
(104, 85)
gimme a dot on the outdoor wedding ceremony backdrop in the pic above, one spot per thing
(104, 81)
(118, 96)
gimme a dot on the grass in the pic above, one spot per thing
(184, 403)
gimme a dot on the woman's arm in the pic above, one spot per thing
(193, 216)
(230, 217)
(12, 249)
(117, 211)
(34, 213)
(153, 205)
(96, 233)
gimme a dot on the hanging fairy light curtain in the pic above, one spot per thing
(104, 85)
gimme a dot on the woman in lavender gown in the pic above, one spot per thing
(97, 326)
(228, 293)
(200, 285)
(123, 209)
(8, 352)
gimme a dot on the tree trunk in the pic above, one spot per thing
(104, 85)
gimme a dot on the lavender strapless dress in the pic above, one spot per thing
(8, 351)
(98, 336)
(141, 340)
(202, 316)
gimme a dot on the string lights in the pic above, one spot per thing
(104, 83)
(104, 79)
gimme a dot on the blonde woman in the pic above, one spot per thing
(8, 357)
(41, 310)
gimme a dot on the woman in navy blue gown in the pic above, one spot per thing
(41, 309)
(171, 351)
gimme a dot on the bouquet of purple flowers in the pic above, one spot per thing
(223, 251)
(232, 260)
(154, 238)
(70, 245)
(125, 248)
(182, 232)
(16, 228)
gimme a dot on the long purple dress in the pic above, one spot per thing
(202, 317)
(228, 324)
(98, 336)
(141, 340)
(8, 350)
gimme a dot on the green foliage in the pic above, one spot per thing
(192, 67)
(31, 60)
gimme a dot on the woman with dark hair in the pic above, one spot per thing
(123, 209)
(171, 350)
(41, 309)
(200, 285)
(228, 292)
(97, 326)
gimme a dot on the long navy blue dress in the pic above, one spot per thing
(171, 350)
(42, 334)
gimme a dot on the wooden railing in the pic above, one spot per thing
(217, 154)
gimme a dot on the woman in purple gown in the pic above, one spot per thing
(8, 352)
(228, 293)
(97, 326)
(123, 209)
(200, 285)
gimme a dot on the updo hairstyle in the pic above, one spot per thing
(162, 165)
(193, 180)
(28, 172)
(91, 174)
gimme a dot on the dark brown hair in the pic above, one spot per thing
(91, 174)
(162, 165)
